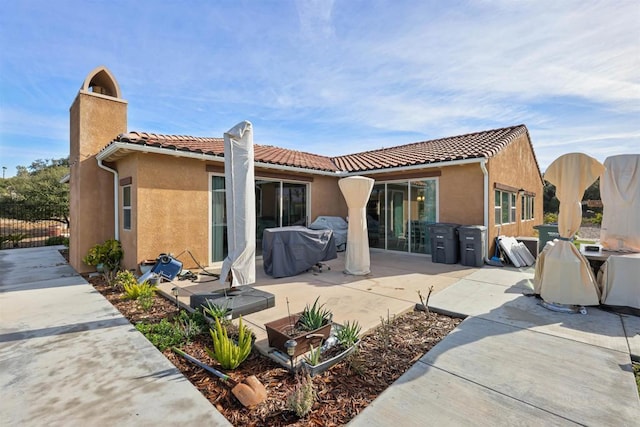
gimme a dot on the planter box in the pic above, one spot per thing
(323, 366)
(278, 334)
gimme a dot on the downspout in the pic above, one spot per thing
(116, 224)
(485, 173)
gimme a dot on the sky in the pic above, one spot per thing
(328, 77)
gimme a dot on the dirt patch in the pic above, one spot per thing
(342, 392)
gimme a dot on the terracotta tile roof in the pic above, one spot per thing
(215, 146)
(473, 145)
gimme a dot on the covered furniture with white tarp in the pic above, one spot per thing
(563, 275)
(620, 281)
(620, 194)
(239, 267)
(356, 191)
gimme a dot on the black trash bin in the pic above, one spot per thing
(444, 243)
(472, 245)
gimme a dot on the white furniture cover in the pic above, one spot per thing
(620, 194)
(356, 191)
(240, 262)
(620, 280)
(563, 274)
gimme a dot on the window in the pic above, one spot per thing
(505, 207)
(527, 207)
(126, 207)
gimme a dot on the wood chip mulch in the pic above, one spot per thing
(342, 392)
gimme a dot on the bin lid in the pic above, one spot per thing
(472, 227)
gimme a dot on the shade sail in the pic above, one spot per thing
(620, 194)
(239, 267)
(563, 275)
(356, 191)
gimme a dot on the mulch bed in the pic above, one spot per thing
(342, 392)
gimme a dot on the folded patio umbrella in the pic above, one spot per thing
(563, 274)
(620, 194)
(356, 191)
(239, 267)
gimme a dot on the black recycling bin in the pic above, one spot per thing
(472, 245)
(444, 242)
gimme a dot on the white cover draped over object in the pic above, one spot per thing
(241, 206)
(620, 280)
(620, 194)
(563, 274)
(356, 191)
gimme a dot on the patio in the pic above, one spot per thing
(390, 289)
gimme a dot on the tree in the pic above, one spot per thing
(549, 202)
(38, 189)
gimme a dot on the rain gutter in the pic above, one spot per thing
(114, 147)
(116, 224)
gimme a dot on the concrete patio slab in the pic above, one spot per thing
(471, 298)
(505, 276)
(561, 376)
(426, 395)
(598, 327)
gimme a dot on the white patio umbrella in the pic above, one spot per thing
(356, 191)
(239, 267)
(563, 275)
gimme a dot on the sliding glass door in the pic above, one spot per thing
(278, 204)
(399, 215)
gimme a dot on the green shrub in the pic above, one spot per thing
(162, 335)
(216, 311)
(57, 240)
(550, 218)
(348, 335)
(188, 325)
(229, 354)
(136, 290)
(123, 278)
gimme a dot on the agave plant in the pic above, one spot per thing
(314, 317)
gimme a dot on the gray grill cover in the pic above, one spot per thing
(287, 251)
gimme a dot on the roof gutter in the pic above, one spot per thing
(114, 147)
(480, 160)
(116, 224)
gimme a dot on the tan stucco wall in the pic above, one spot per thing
(170, 210)
(326, 198)
(461, 194)
(515, 166)
(94, 121)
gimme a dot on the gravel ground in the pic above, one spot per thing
(589, 232)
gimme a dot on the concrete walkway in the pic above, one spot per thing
(67, 357)
(513, 362)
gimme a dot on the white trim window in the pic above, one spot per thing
(527, 207)
(505, 207)
(126, 207)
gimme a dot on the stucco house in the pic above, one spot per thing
(165, 193)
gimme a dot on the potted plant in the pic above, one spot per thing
(310, 327)
(343, 341)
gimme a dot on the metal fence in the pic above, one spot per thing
(24, 225)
